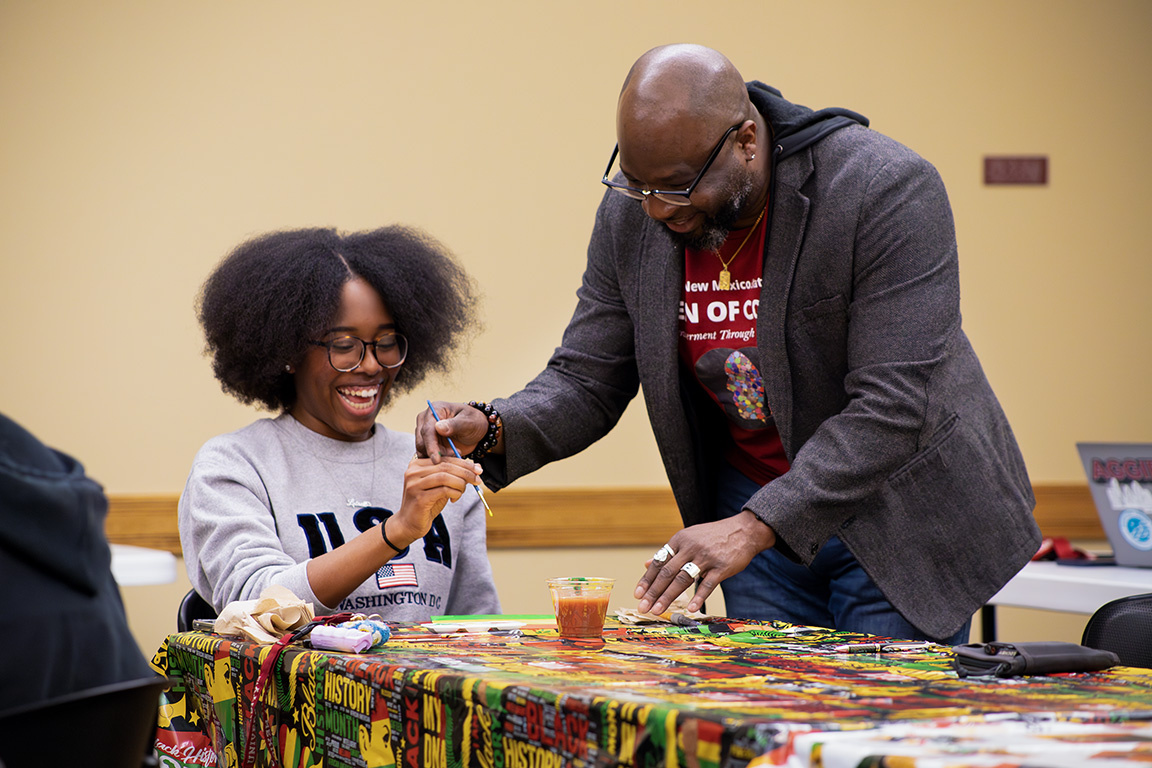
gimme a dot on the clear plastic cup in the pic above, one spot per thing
(580, 604)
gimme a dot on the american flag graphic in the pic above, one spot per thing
(399, 575)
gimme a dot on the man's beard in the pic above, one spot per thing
(717, 227)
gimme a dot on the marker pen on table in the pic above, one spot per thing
(892, 647)
(452, 445)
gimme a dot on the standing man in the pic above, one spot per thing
(785, 285)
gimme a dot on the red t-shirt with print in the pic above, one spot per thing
(718, 343)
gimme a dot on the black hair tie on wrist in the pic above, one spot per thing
(492, 436)
(384, 533)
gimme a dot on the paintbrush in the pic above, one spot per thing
(452, 445)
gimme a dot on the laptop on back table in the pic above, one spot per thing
(1120, 478)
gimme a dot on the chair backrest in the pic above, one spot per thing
(193, 607)
(1123, 626)
(112, 726)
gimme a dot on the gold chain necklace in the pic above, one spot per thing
(725, 281)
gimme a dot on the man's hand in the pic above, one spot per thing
(465, 425)
(718, 549)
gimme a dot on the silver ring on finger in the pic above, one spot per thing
(663, 554)
(691, 569)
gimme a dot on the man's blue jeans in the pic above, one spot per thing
(834, 591)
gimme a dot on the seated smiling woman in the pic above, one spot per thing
(321, 328)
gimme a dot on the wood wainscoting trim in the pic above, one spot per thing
(1068, 511)
(143, 521)
(577, 517)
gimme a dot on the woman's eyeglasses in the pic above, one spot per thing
(346, 353)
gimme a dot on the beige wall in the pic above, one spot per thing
(139, 141)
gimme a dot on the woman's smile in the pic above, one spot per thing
(359, 398)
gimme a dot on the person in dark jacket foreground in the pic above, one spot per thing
(63, 625)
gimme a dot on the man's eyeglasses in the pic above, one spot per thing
(672, 197)
(347, 352)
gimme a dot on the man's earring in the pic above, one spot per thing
(752, 157)
(288, 368)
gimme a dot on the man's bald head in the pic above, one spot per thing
(684, 113)
(673, 85)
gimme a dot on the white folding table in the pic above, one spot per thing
(1053, 586)
(138, 566)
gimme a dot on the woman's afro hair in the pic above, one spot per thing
(274, 293)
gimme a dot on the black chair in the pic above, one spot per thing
(112, 726)
(1123, 626)
(193, 607)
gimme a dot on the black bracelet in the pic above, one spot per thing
(384, 533)
(492, 436)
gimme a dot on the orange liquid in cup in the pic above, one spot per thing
(581, 616)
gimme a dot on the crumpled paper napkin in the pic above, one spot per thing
(268, 618)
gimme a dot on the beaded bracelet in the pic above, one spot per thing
(492, 436)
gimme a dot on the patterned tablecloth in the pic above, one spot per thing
(734, 693)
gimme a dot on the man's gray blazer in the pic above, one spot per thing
(897, 442)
